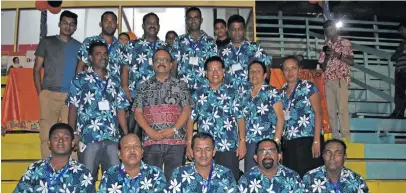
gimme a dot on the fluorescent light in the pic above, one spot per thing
(339, 24)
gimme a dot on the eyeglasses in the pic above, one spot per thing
(214, 69)
(162, 60)
(267, 151)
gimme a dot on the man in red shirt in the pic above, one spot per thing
(336, 60)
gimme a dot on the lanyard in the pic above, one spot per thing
(237, 52)
(194, 46)
(292, 95)
(132, 181)
(337, 186)
(208, 179)
(154, 47)
(105, 86)
(48, 173)
(109, 47)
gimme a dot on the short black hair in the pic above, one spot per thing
(213, 59)
(290, 57)
(235, 19)
(257, 62)
(96, 44)
(15, 58)
(108, 13)
(61, 126)
(329, 23)
(169, 32)
(222, 21)
(402, 24)
(202, 135)
(69, 14)
(267, 140)
(124, 33)
(341, 142)
(190, 9)
(162, 49)
(144, 19)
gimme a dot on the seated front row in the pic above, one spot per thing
(59, 173)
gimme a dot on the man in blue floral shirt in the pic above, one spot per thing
(137, 62)
(239, 53)
(202, 175)
(132, 175)
(192, 49)
(333, 177)
(108, 24)
(269, 175)
(263, 111)
(96, 104)
(218, 111)
(59, 172)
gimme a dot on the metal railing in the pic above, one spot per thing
(373, 42)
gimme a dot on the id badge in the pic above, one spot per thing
(236, 67)
(150, 61)
(287, 115)
(194, 61)
(104, 105)
(82, 147)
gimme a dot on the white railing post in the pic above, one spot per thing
(280, 22)
(307, 39)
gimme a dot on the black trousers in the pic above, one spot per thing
(400, 96)
(228, 160)
(297, 154)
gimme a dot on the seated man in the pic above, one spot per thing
(202, 175)
(58, 172)
(333, 176)
(269, 176)
(132, 175)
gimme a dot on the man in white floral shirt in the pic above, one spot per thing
(333, 177)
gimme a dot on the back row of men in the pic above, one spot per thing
(60, 173)
(232, 98)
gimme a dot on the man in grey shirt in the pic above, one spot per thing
(57, 55)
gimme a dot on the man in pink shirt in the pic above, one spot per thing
(336, 60)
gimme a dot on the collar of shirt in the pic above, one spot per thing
(155, 80)
(324, 169)
(144, 37)
(213, 164)
(48, 161)
(278, 173)
(98, 78)
(140, 173)
(115, 41)
(329, 42)
(219, 89)
(202, 35)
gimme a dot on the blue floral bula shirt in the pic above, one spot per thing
(216, 113)
(75, 177)
(113, 67)
(184, 48)
(301, 122)
(284, 181)
(86, 92)
(260, 118)
(187, 179)
(137, 56)
(350, 182)
(237, 60)
(149, 180)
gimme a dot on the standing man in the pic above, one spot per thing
(132, 175)
(400, 75)
(137, 61)
(336, 61)
(220, 29)
(162, 107)
(96, 105)
(192, 49)
(58, 172)
(217, 111)
(239, 53)
(333, 176)
(202, 175)
(170, 37)
(269, 175)
(108, 24)
(56, 54)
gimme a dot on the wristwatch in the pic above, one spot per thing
(175, 131)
